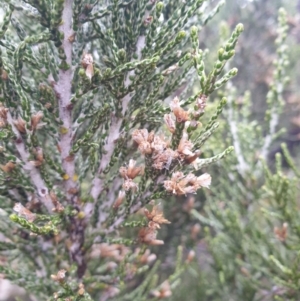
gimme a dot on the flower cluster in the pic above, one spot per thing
(128, 174)
(181, 184)
(190, 119)
(155, 218)
(162, 156)
(159, 148)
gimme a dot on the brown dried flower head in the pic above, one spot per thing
(201, 103)
(72, 37)
(33, 203)
(148, 235)
(4, 75)
(87, 59)
(190, 256)
(2, 124)
(114, 251)
(87, 64)
(179, 184)
(164, 159)
(24, 212)
(39, 156)
(143, 139)
(185, 147)
(129, 174)
(58, 207)
(35, 163)
(156, 216)
(147, 257)
(131, 171)
(35, 120)
(281, 233)
(164, 291)
(89, 71)
(130, 185)
(195, 231)
(159, 144)
(3, 113)
(8, 167)
(170, 123)
(60, 276)
(81, 290)
(20, 124)
(148, 20)
(120, 199)
(180, 114)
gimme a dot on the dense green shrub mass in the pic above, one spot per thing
(106, 108)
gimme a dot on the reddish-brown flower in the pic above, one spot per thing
(180, 184)
(129, 185)
(87, 64)
(147, 257)
(60, 276)
(39, 156)
(119, 200)
(35, 121)
(164, 291)
(131, 171)
(159, 144)
(156, 216)
(8, 167)
(185, 147)
(148, 235)
(170, 123)
(143, 139)
(3, 115)
(20, 124)
(281, 233)
(58, 207)
(180, 114)
(116, 252)
(164, 158)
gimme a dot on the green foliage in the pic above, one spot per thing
(78, 84)
(108, 110)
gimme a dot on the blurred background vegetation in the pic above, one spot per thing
(246, 229)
